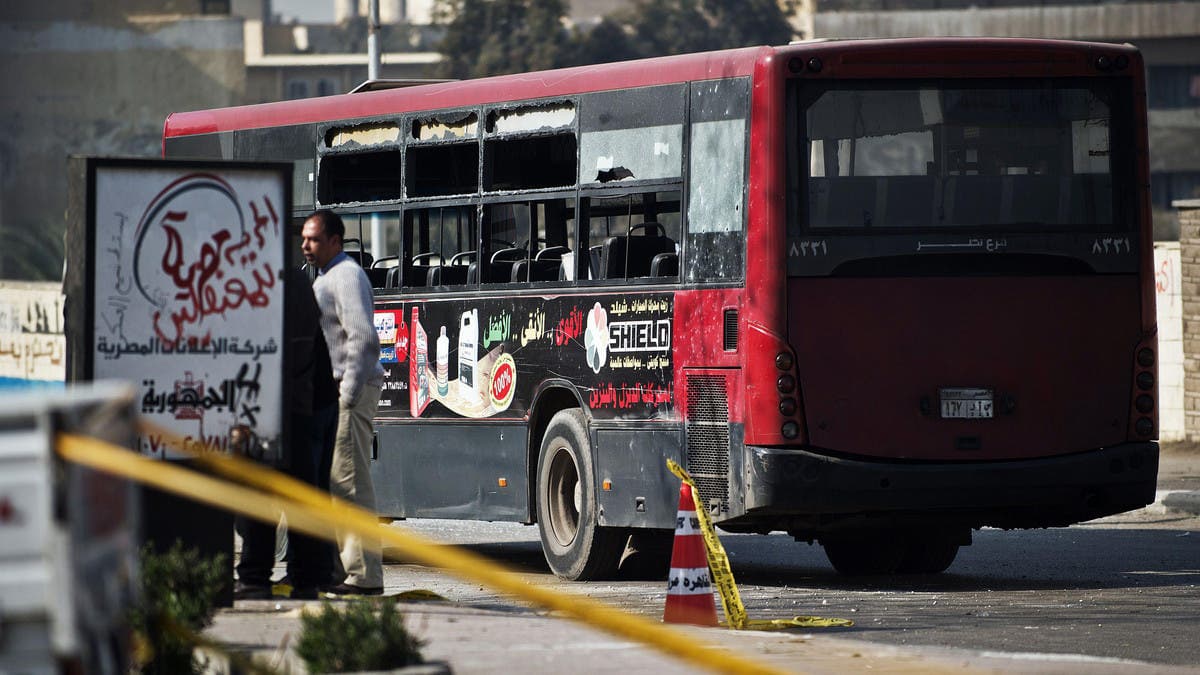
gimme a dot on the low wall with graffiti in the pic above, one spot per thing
(32, 348)
(1167, 281)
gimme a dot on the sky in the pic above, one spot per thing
(306, 11)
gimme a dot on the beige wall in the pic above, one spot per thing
(1169, 304)
(79, 87)
(32, 346)
(1102, 21)
(1189, 253)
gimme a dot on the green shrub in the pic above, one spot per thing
(178, 589)
(366, 635)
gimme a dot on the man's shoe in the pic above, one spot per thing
(251, 591)
(351, 589)
(304, 593)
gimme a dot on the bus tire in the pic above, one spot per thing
(575, 546)
(865, 553)
(928, 553)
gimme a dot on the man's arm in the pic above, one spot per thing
(356, 312)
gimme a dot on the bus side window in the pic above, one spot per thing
(375, 257)
(439, 247)
(633, 236)
(529, 241)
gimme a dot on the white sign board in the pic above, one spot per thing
(187, 297)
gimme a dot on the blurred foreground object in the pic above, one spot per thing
(68, 535)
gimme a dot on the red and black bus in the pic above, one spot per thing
(871, 293)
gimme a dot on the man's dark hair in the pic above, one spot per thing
(330, 222)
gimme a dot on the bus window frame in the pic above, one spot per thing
(584, 243)
(1121, 164)
(527, 196)
(322, 149)
(401, 288)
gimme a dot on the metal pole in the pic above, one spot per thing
(373, 41)
(377, 248)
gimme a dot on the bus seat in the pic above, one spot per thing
(416, 276)
(354, 249)
(364, 259)
(500, 266)
(630, 256)
(665, 265)
(520, 270)
(393, 277)
(545, 270)
(452, 275)
(547, 264)
(473, 273)
(378, 276)
(594, 261)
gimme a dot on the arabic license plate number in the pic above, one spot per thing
(966, 403)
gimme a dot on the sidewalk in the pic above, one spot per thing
(512, 637)
(484, 640)
(1179, 479)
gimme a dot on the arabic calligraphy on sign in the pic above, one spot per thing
(197, 255)
(188, 293)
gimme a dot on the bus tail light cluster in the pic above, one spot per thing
(785, 384)
(1145, 381)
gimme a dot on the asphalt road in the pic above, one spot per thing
(1124, 588)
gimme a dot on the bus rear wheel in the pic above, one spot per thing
(865, 553)
(575, 546)
(929, 552)
(891, 552)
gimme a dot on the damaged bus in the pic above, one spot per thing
(871, 293)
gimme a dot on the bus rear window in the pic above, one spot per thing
(944, 155)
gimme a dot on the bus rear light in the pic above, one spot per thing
(814, 64)
(1145, 357)
(1144, 426)
(1121, 62)
(1104, 63)
(1145, 380)
(1144, 403)
(796, 64)
(787, 407)
(786, 384)
(784, 361)
(790, 430)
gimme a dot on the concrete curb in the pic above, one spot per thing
(1180, 501)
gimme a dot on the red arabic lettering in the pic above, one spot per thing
(627, 396)
(261, 221)
(1162, 278)
(570, 328)
(199, 285)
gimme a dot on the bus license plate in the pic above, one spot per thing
(965, 403)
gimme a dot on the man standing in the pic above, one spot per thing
(344, 296)
(309, 560)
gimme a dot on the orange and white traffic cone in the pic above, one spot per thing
(689, 585)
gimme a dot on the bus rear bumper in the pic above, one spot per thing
(803, 490)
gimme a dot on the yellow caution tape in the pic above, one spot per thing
(304, 515)
(718, 563)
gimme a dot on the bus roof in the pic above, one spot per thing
(623, 74)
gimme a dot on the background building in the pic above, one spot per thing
(85, 77)
(99, 78)
(1168, 34)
